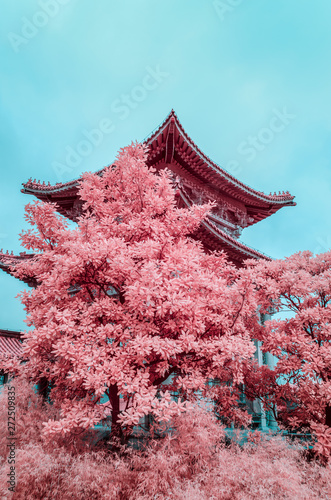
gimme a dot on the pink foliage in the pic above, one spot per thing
(29, 415)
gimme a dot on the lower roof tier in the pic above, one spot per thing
(10, 343)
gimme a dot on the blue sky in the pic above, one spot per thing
(228, 68)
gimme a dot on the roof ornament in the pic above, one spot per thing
(170, 143)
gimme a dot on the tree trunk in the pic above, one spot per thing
(116, 430)
(42, 388)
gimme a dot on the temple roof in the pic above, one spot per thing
(10, 343)
(8, 262)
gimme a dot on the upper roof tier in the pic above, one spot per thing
(170, 146)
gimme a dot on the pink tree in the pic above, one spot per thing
(128, 306)
(298, 390)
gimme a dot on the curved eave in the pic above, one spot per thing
(64, 197)
(10, 343)
(8, 262)
(216, 239)
(63, 194)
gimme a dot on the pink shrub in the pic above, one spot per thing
(268, 469)
(30, 414)
(191, 463)
(59, 475)
(194, 463)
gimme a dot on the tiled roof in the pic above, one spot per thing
(10, 343)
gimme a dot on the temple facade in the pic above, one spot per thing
(198, 180)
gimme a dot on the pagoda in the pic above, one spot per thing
(198, 180)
